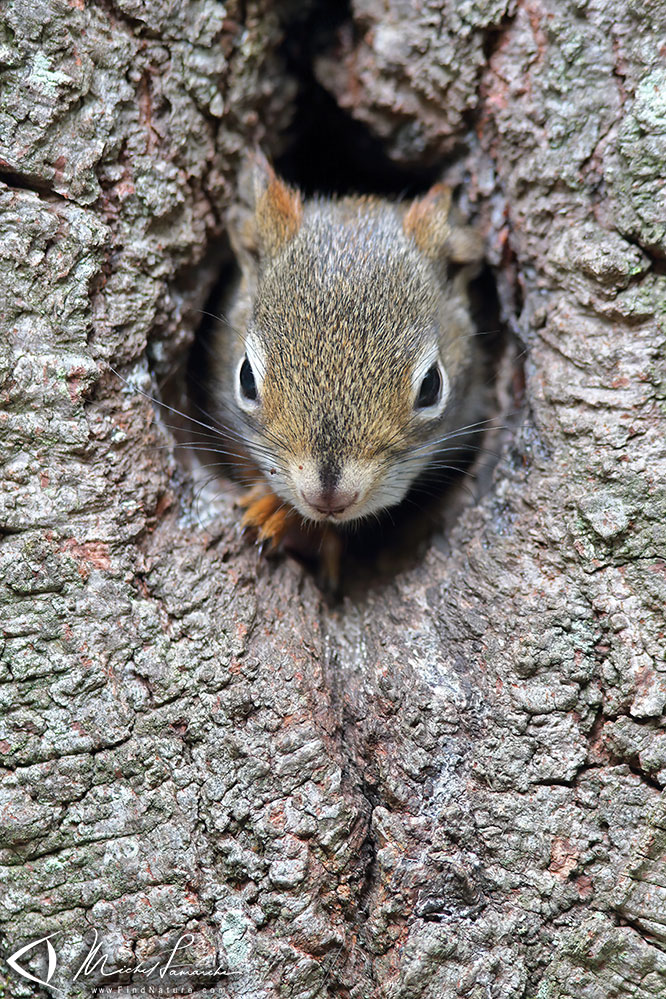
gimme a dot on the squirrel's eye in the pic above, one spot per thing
(247, 383)
(431, 389)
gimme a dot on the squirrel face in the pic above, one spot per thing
(352, 345)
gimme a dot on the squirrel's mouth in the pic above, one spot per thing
(329, 504)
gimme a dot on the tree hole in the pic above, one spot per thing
(327, 152)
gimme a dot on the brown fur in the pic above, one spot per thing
(279, 211)
(265, 514)
(427, 222)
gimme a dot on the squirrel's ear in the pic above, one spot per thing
(427, 221)
(278, 209)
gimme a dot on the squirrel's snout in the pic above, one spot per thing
(324, 493)
(329, 502)
(321, 491)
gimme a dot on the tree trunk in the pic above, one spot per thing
(451, 785)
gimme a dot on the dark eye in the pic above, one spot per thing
(247, 382)
(431, 389)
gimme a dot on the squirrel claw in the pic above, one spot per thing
(266, 515)
(271, 520)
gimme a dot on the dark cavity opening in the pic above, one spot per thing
(328, 151)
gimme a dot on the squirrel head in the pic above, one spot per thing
(355, 343)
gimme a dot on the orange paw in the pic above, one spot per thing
(273, 520)
(267, 515)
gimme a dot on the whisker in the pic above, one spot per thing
(222, 318)
(457, 469)
(215, 431)
(196, 499)
(473, 428)
(164, 405)
(463, 449)
(200, 435)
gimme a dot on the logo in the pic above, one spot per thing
(12, 961)
(160, 967)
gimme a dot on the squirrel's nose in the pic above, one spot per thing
(329, 501)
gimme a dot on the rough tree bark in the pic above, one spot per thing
(451, 787)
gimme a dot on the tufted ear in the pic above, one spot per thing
(278, 209)
(264, 217)
(427, 221)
